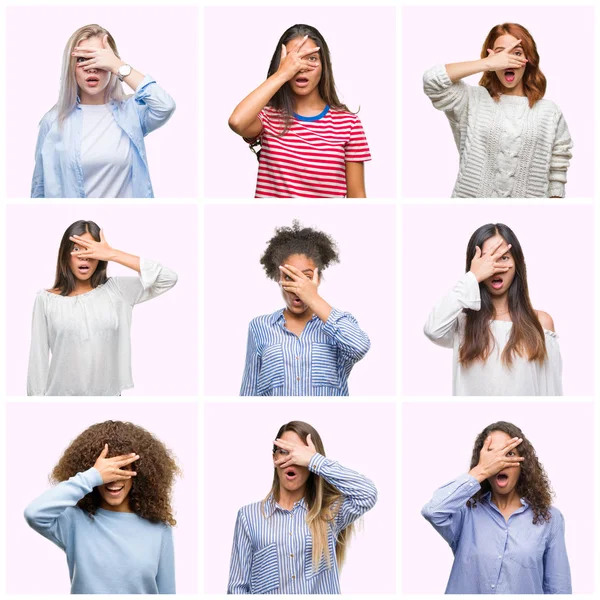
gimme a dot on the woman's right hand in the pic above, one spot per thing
(499, 61)
(483, 266)
(296, 61)
(492, 462)
(110, 468)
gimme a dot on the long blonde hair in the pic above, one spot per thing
(323, 501)
(67, 97)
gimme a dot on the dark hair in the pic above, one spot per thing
(313, 244)
(64, 280)
(534, 81)
(533, 484)
(150, 495)
(283, 99)
(526, 335)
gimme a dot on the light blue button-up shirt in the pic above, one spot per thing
(315, 363)
(495, 556)
(272, 546)
(58, 171)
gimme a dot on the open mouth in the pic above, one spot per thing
(297, 302)
(290, 474)
(301, 81)
(114, 490)
(84, 269)
(509, 75)
(92, 80)
(502, 480)
(497, 283)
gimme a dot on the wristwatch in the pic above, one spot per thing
(124, 71)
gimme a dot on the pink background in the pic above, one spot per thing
(456, 34)
(164, 331)
(35, 40)
(245, 444)
(237, 289)
(558, 245)
(363, 54)
(34, 564)
(444, 453)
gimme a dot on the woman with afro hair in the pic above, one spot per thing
(111, 511)
(498, 518)
(307, 348)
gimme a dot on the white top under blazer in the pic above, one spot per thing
(445, 327)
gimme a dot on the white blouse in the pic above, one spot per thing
(445, 327)
(88, 336)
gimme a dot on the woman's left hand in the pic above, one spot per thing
(298, 283)
(98, 58)
(297, 454)
(93, 249)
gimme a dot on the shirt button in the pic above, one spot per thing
(293, 577)
(499, 557)
(290, 533)
(493, 586)
(297, 358)
(297, 378)
(291, 556)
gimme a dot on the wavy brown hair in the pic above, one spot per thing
(534, 81)
(150, 495)
(283, 99)
(533, 484)
(323, 500)
(527, 335)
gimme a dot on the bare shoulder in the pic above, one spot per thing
(54, 291)
(545, 320)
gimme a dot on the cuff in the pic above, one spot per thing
(437, 76)
(556, 188)
(93, 477)
(149, 270)
(316, 463)
(142, 92)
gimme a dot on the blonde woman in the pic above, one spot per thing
(295, 540)
(91, 144)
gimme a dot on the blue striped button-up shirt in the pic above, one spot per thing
(315, 363)
(495, 556)
(272, 547)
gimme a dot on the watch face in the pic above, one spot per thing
(124, 70)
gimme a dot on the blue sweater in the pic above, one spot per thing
(109, 553)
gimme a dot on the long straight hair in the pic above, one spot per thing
(67, 96)
(527, 335)
(283, 99)
(534, 81)
(64, 280)
(322, 499)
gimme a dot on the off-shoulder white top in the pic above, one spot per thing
(88, 336)
(445, 327)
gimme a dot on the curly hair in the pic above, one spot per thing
(316, 245)
(150, 495)
(533, 484)
(534, 81)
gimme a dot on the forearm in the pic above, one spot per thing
(348, 337)
(127, 260)
(458, 71)
(321, 308)
(243, 119)
(134, 78)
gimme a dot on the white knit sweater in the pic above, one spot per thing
(507, 150)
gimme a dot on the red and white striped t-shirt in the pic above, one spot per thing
(309, 161)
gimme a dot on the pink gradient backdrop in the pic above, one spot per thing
(34, 564)
(436, 35)
(363, 49)
(371, 564)
(164, 331)
(35, 41)
(444, 452)
(558, 245)
(237, 289)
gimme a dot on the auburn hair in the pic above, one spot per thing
(527, 335)
(534, 81)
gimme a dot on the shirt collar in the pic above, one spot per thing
(277, 317)
(271, 506)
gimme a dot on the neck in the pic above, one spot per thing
(516, 91)
(304, 317)
(82, 287)
(96, 99)
(123, 507)
(500, 304)
(313, 103)
(504, 501)
(287, 498)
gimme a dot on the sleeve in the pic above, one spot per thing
(557, 573)
(553, 371)
(241, 558)
(46, 514)
(153, 105)
(446, 510)
(39, 351)
(451, 98)
(357, 148)
(37, 181)
(559, 161)
(154, 280)
(442, 323)
(360, 494)
(348, 337)
(252, 366)
(165, 576)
